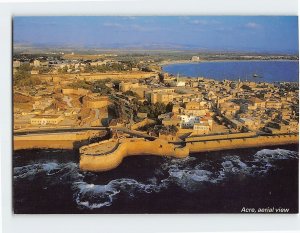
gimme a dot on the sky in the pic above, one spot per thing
(272, 34)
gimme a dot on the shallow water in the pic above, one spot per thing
(215, 182)
(268, 71)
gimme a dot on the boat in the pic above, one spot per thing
(256, 76)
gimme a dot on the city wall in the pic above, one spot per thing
(224, 144)
(55, 140)
(142, 123)
(121, 75)
(220, 136)
(97, 76)
(130, 147)
(71, 91)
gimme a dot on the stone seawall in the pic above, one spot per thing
(220, 136)
(225, 144)
(56, 140)
(130, 147)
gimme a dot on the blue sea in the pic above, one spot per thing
(266, 71)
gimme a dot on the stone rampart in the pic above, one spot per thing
(130, 147)
(55, 140)
(134, 147)
(225, 144)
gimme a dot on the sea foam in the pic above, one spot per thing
(188, 174)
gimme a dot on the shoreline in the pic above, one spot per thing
(223, 60)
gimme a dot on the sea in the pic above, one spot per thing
(50, 182)
(257, 71)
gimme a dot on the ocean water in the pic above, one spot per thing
(216, 182)
(267, 71)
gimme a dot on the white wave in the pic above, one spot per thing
(268, 155)
(188, 174)
(233, 165)
(49, 168)
(184, 173)
(201, 175)
(97, 196)
(25, 171)
(94, 196)
(189, 178)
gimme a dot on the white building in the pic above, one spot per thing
(187, 121)
(180, 84)
(16, 64)
(195, 58)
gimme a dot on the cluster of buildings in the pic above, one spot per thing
(57, 65)
(206, 106)
(55, 106)
(199, 106)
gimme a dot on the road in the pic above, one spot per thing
(61, 130)
(133, 133)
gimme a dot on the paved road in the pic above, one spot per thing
(61, 130)
(134, 133)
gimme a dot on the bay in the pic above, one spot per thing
(258, 71)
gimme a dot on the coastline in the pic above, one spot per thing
(223, 60)
(113, 158)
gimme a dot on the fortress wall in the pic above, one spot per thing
(131, 75)
(142, 123)
(134, 147)
(216, 137)
(99, 76)
(216, 145)
(96, 103)
(43, 144)
(130, 148)
(79, 91)
(54, 141)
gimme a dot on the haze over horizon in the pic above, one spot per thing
(255, 34)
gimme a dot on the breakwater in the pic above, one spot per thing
(64, 140)
(111, 156)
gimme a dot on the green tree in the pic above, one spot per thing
(246, 87)
(88, 68)
(101, 88)
(63, 70)
(81, 84)
(22, 75)
(169, 107)
(153, 110)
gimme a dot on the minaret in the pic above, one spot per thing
(218, 104)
